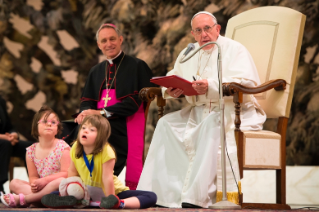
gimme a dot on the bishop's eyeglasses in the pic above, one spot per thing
(207, 29)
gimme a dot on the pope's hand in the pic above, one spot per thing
(174, 92)
(201, 86)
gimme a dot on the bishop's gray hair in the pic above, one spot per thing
(107, 25)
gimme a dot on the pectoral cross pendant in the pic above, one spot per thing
(106, 99)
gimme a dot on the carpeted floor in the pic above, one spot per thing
(3, 208)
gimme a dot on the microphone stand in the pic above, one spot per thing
(224, 204)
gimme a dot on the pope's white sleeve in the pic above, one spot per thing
(213, 91)
(177, 70)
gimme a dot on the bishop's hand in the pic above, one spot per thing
(85, 113)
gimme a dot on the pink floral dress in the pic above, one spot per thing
(51, 164)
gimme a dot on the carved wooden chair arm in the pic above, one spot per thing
(148, 94)
(229, 89)
(237, 90)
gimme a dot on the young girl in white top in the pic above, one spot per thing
(93, 160)
(47, 161)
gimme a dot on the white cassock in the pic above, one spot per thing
(183, 162)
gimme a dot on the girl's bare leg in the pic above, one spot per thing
(50, 187)
(20, 187)
(36, 197)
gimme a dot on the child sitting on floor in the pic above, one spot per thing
(47, 161)
(93, 161)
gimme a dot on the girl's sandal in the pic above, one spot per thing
(23, 203)
(12, 202)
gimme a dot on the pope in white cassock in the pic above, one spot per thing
(183, 163)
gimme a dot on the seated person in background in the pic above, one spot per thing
(93, 160)
(111, 90)
(183, 163)
(47, 160)
(10, 145)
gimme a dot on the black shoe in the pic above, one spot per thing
(56, 201)
(188, 205)
(159, 206)
(110, 201)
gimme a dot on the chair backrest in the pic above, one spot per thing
(273, 36)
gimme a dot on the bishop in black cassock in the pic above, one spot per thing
(132, 75)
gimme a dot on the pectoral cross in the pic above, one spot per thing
(106, 99)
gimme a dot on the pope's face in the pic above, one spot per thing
(109, 42)
(209, 30)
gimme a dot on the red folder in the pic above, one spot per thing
(175, 81)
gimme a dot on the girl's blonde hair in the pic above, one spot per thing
(46, 111)
(103, 128)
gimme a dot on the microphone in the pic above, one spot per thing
(190, 47)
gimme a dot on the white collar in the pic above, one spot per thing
(111, 60)
(209, 51)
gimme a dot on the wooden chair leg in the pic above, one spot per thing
(281, 174)
(281, 186)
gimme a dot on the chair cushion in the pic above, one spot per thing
(261, 149)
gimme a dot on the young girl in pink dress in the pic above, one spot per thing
(47, 161)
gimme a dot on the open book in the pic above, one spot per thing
(175, 81)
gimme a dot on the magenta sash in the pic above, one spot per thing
(112, 101)
(135, 125)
